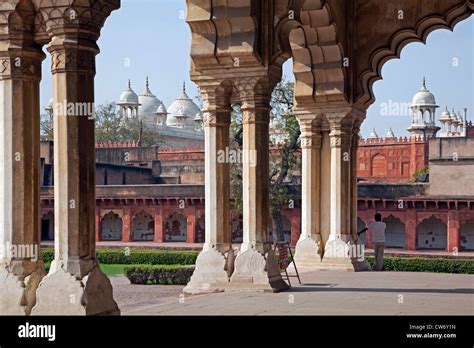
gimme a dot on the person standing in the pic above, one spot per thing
(378, 237)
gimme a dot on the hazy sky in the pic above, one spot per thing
(151, 37)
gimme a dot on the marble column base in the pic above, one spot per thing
(211, 273)
(307, 255)
(344, 256)
(254, 271)
(61, 293)
(18, 294)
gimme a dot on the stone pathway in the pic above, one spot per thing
(322, 293)
(129, 296)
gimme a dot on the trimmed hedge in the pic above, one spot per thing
(159, 274)
(420, 264)
(178, 257)
(135, 257)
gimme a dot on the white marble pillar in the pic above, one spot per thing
(75, 285)
(353, 183)
(214, 263)
(255, 185)
(255, 265)
(21, 267)
(308, 248)
(338, 245)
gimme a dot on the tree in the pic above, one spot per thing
(46, 125)
(112, 126)
(109, 126)
(284, 158)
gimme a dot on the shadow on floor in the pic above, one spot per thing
(326, 288)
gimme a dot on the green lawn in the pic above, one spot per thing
(113, 270)
(109, 270)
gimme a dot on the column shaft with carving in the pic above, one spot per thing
(75, 284)
(308, 247)
(340, 169)
(256, 264)
(20, 259)
(255, 173)
(339, 246)
(353, 181)
(217, 178)
(214, 264)
(73, 68)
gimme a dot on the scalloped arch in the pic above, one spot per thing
(402, 38)
(317, 56)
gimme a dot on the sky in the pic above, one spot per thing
(151, 38)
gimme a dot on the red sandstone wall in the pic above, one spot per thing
(391, 161)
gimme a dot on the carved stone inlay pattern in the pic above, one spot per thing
(20, 67)
(72, 60)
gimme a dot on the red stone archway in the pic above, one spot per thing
(143, 227)
(176, 227)
(432, 233)
(466, 234)
(111, 227)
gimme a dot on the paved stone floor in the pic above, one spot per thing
(322, 293)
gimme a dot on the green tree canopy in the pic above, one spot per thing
(284, 160)
(111, 126)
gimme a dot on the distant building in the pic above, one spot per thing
(397, 160)
(157, 194)
(179, 125)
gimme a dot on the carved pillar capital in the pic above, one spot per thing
(24, 64)
(73, 58)
(340, 138)
(311, 137)
(254, 94)
(217, 118)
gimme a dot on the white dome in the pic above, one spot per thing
(454, 117)
(390, 134)
(445, 116)
(128, 96)
(161, 109)
(183, 106)
(198, 117)
(149, 102)
(373, 135)
(424, 97)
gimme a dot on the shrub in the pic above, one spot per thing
(159, 274)
(419, 264)
(48, 255)
(143, 257)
